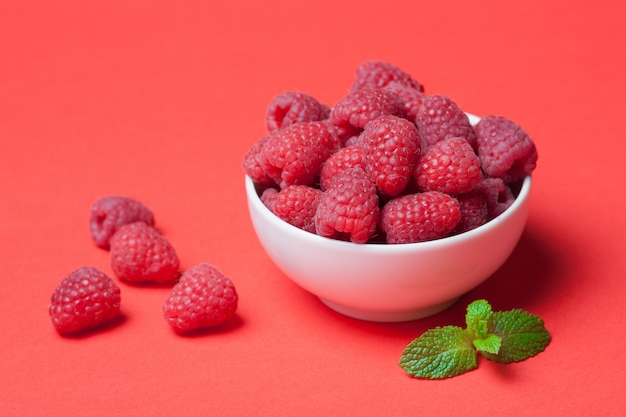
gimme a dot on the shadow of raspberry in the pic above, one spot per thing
(228, 326)
(100, 329)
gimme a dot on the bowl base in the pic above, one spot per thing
(389, 316)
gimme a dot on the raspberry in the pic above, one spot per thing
(344, 158)
(294, 154)
(449, 166)
(474, 212)
(504, 149)
(411, 97)
(390, 150)
(140, 254)
(110, 213)
(297, 204)
(439, 118)
(497, 195)
(349, 207)
(204, 297)
(355, 110)
(379, 74)
(420, 217)
(85, 299)
(353, 141)
(268, 197)
(293, 107)
(252, 164)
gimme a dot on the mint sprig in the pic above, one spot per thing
(502, 336)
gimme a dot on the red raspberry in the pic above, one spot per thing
(474, 212)
(411, 97)
(293, 107)
(390, 150)
(449, 166)
(204, 297)
(268, 197)
(140, 254)
(355, 110)
(349, 207)
(86, 298)
(439, 118)
(110, 213)
(497, 195)
(344, 158)
(297, 204)
(420, 217)
(252, 164)
(294, 154)
(504, 149)
(379, 74)
(353, 141)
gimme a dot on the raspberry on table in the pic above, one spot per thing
(109, 213)
(391, 146)
(349, 208)
(497, 195)
(140, 254)
(344, 158)
(419, 217)
(474, 212)
(203, 297)
(439, 118)
(294, 154)
(85, 299)
(350, 114)
(379, 74)
(505, 149)
(297, 204)
(252, 164)
(292, 107)
(450, 166)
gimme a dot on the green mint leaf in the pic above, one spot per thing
(477, 319)
(439, 353)
(490, 344)
(523, 335)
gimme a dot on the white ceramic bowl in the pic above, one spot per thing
(383, 282)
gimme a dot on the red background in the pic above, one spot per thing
(160, 100)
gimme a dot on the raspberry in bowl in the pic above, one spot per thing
(392, 204)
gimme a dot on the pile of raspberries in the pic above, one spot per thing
(387, 163)
(201, 297)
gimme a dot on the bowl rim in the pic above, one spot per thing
(521, 197)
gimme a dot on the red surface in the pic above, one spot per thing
(160, 100)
